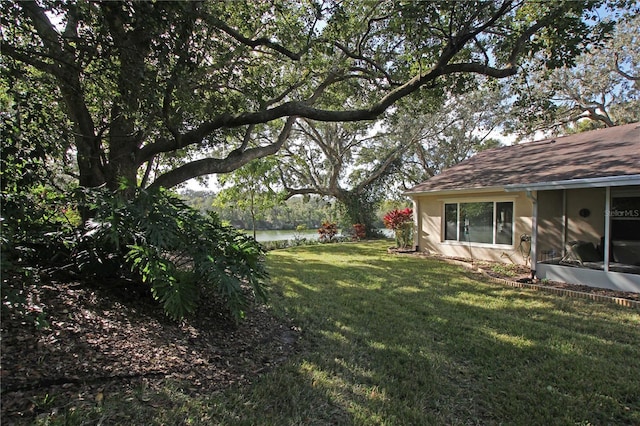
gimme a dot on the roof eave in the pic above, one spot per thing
(598, 182)
(414, 194)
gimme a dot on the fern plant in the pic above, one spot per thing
(179, 252)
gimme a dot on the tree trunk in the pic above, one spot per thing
(358, 210)
(89, 162)
(122, 171)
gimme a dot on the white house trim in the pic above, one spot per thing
(599, 182)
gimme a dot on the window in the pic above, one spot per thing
(504, 223)
(451, 222)
(485, 222)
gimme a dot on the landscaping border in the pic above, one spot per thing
(572, 293)
(629, 303)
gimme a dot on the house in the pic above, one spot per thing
(569, 207)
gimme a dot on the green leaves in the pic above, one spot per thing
(178, 252)
(164, 86)
(174, 289)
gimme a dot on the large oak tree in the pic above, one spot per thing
(348, 162)
(601, 88)
(156, 93)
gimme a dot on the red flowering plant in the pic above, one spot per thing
(401, 222)
(327, 231)
(359, 231)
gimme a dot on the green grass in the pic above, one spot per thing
(399, 340)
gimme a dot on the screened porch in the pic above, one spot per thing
(587, 232)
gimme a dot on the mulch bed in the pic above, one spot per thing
(522, 274)
(97, 342)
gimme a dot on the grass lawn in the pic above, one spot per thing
(400, 340)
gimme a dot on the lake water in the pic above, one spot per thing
(280, 235)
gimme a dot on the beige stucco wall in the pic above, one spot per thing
(429, 235)
(551, 218)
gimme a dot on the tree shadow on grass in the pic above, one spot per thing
(397, 331)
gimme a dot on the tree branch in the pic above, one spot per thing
(291, 192)
(253, 43)
(383, 167)
(232, 162)
(474, 67)
(28, 59)
(304, 108)
(622, 73)
(372, 63)
(44, 27)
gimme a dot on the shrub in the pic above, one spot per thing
(359, 231)
(298, 234)
(36, 229)
(178, 252)
(327, 231)
(401, 222)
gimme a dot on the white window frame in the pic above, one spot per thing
(495, 201)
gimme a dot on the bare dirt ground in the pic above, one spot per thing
(97, 342)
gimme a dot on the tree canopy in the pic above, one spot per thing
(156, 93)
(600, 89)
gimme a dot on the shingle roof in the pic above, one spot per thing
(600, 153)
